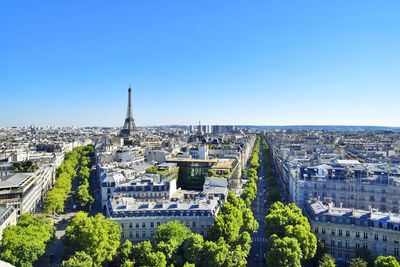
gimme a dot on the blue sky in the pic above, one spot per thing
(221, 62)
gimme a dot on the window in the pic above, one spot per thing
(151, 224)
(347, 232)
(137, 225)
(332, 243)
(339, 243)
(158, 224)
(365, 245)
(323, 230)
(385, 250)
(396, 252)
(365, 235)
(376, 237)
(316, 230)
(358, 245)
(143, 234)
(143, 224)
(130, 234)
(333, 232)
(384, 238)
(346, 244)
(194, 224)
(340, 232)
(122, 225)
(357, 234)
(130, 225)
(137, 234)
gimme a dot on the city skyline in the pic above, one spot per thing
(267, 63)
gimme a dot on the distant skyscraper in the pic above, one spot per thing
(129, 125)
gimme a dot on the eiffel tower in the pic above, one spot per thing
(129, 127)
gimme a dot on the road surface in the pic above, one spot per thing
(259, 244)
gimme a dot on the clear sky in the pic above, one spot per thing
(222, 62)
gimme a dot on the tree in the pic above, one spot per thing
(232, 226)
(306, 239)
(24, 243)
(237, 258)
(144, 255)
(244, 241)
(250, 192)
(54, 202)
(215, 253)
(192, 248)
(169, 237)
(124, 253)
(279, 216)
(252, 172)
(358, 262)
(127, 263)
(98, 236)
(83, 196)
(366, 255)
(284, 252)
(226, 226)
(327, 261)
(321, 251)
(288, 221)
(386, 261)
(79, 259)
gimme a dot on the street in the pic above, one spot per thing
(55, 249)
(259, 244)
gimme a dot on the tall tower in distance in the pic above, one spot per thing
(129, 127)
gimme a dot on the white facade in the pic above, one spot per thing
(8, 217)
(26, 191)
(139, 221)
(345, 230)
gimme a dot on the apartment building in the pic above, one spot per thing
(139, 220)
(26, 191)
(343, 230)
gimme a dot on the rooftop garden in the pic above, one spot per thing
(219, 173)
(24, 166)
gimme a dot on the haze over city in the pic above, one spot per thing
(264, 63)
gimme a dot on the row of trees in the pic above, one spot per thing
(272, 184)
(56, 197)
(175, 245)
(250, 191)
(55, 200)
(82, 195)
(24, 243)
(91, 241)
